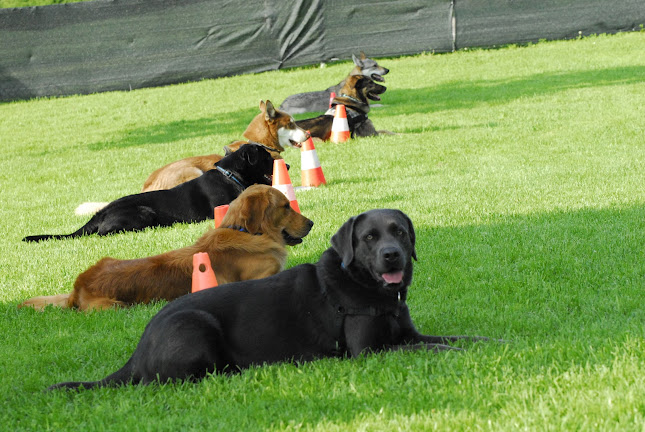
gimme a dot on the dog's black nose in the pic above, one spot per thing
(288, 166)
(391, 254)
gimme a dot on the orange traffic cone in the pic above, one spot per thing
(282, 182)
(220, 212)
(311, 172)
(203, 274)
(340, 127)
(332, 96)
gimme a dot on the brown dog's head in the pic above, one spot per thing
(273, 129)
(264, 210)
(358, 91)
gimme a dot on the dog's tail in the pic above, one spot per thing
(89, 208)
(121, 377)
(40, 303)
(91, 227)
(37, 238)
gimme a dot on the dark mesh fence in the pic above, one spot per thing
(104, 45)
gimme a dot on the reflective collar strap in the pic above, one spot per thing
(230, 175)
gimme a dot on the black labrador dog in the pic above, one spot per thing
(350, 302)
(192, 201)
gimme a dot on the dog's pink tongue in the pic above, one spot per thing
(393, 278)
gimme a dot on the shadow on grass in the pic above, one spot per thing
(566, 274)
(226, 123)
(465, 95)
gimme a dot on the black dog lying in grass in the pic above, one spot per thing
(192, 201)
(352, 301)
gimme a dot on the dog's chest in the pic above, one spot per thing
(367, 332)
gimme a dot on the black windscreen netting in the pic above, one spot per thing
(104, 45)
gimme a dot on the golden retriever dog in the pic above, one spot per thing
(250, 244)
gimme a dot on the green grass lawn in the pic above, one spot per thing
(522, 168)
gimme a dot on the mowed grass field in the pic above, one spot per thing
(522, 168)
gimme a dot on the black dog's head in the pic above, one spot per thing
(361, 88)
(377, 248)
(251, 162)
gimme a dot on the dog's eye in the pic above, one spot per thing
(400, 233)
(287, 206)
(369, 237)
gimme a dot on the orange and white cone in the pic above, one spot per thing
(311, 172)
(220, 212)
(340, 127)
(203, 274)
(332, 96)
(282, 182)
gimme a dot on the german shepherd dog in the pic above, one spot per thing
(250, 244)
(192, 201)
(319, 100)
(271, 128)
(355, 95)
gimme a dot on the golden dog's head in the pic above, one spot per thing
(264, 210)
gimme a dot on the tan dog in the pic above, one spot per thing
(250, 244)
(273, 129)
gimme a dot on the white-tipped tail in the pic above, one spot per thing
(89, 208)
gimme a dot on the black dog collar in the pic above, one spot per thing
(343, 95)
(267, 148)
(230, 175)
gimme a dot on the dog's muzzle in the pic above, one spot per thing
(391, 260)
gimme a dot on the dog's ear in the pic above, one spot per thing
(233, 146)
(343, 241)
(357, 61)
(361, 81)
(363, 56)
(262, 106)
(361, 85)
(269, 113)
(356, 81)
(252, 154)
(252, 212)
(411, 234)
